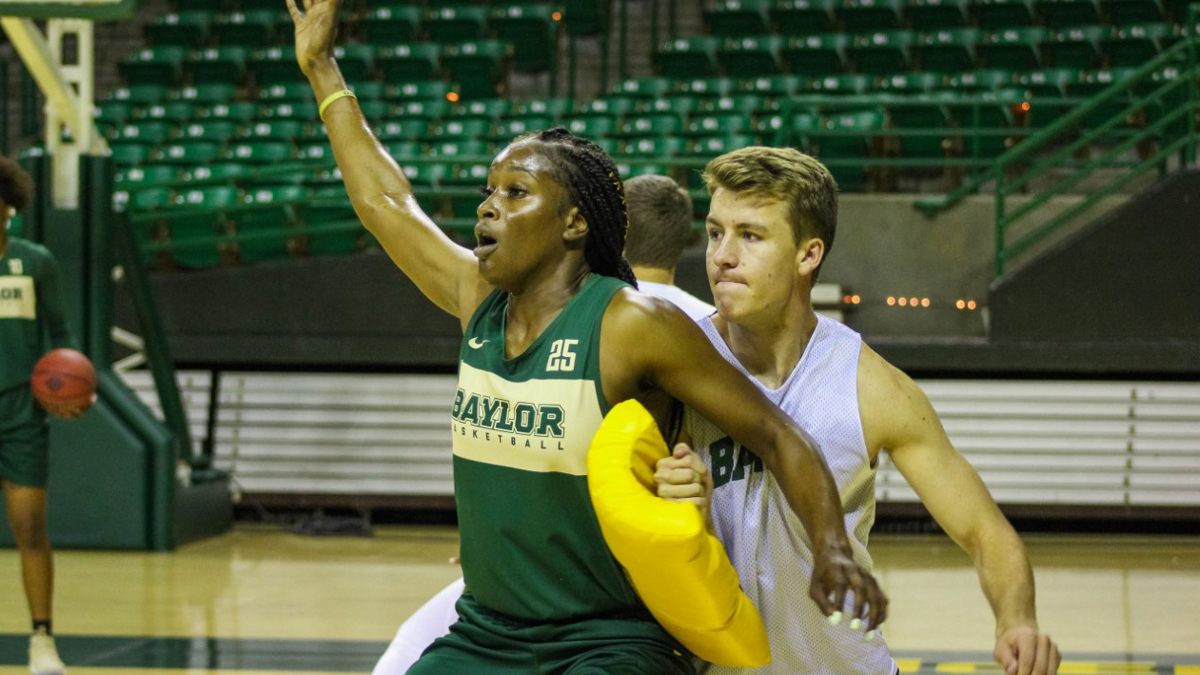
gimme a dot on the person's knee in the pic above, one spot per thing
(29, 531)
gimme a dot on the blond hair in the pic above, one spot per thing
(786, 175)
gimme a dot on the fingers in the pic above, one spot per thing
(1045, 663)
(681, 451)
(294, 11)
(1057, 658)
(878, 603)
(1025, 654)
(818, 591)
(1006, 657)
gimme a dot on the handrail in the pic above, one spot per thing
(1063, 126)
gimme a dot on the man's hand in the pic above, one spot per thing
(69, 411)
(1022, 650)
(835, 574)
(316, 28)
(683, 477)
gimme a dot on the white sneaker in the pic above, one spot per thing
(43, 656)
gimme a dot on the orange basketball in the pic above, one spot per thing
(64, 376)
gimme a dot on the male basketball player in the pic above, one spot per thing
(771, 224)
(660, 227)
(554, 336)
(31, 307)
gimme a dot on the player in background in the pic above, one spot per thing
(660, 227)
(770, 227)
(32, 322)
(554, 335)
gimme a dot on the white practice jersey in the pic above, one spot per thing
(765, 539)
(694, 307)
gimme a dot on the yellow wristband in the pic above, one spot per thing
(331, 98)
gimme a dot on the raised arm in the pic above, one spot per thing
(654, 344)
(382, 196)
(898, 418)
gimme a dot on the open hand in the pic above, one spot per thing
(316, 28)
(1022, 650)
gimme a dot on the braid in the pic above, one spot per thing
(596, 188)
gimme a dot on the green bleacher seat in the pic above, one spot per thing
(180, 29)
(688, 57)
(219, 171)
(509, 129)
(1050, 82)
(457, 129)
(533, 30)
(355, 61)
(111, 113)
(217, 131)
(154, 65)
(992, 110)
(646, 87)
(129, 154)
(426, 110)
(629, 170)
(480, 68)
(1077, 47)
(146, 175)
(202, 228)
(883, 52)
(592, 126)
(752, 56)
(286, 91)
(947, 50)
(460, 23)
(1065, 13)
(682, 105)
(859, 16)
(218, 65)
(268, 233)
(169, 112)
(1095, 81)
(1013, 48)
(615, 106)
(488, 109)
(193, 152)
(391, 23)
(816, 54)
(934, 15)
(650, 125)
(1123, 12)
(707, 86)
(742, 104)
(215, 92)
(459, 147)
(413, 61)
(717, 125)
(775, 85)
(139, 94)
(255, 28)
(732, 18)
(149, 133)
(253, 5)
(295, 110)
(150, 199)
(1134, 45)
(260, 152)
(238, 111)
(313, 151)
(850, 136)
(856, 83)
(369, 91)
(996, 14)
(403, 129)
(274, 65)
(924, 115)
(912, 82)
(800, 17)
(554, 108)
(404, 148)
(658, 146)
(276, 130)
(771, 130)
(339, 242)
(982, 80)
(373, 110)
(431, 90)
(711, 146)
(427, 174)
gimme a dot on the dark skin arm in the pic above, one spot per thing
(649, 344)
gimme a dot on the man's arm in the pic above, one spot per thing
(52, 307)
(380, 192)
(898, 418)
(649, 343)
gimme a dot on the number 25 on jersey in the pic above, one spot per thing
(562, 356)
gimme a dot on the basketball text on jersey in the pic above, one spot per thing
(17, 298)
(731, 461)
(532, 425)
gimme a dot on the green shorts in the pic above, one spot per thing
(24, 438)
(484, 642)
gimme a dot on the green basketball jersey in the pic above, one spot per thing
(531, 544)
(32, 318)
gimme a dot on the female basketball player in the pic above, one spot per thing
(554, 336)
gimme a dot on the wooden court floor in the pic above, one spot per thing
(263, 601)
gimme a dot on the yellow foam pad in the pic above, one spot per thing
(680, 570)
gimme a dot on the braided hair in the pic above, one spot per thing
(596, 188)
